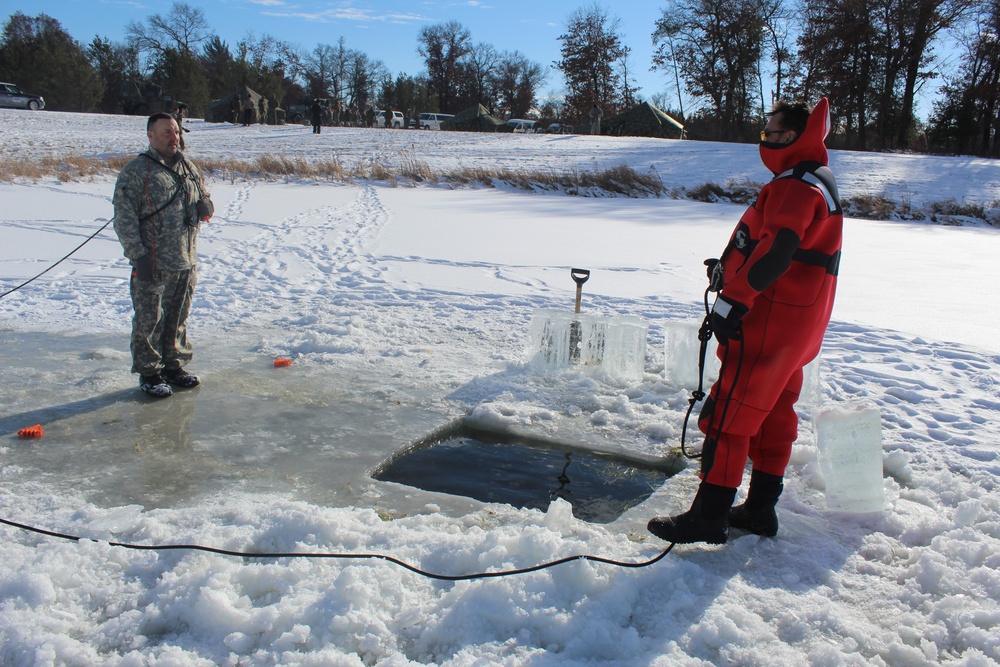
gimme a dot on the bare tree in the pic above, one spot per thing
(184, 29)
(475, 75)
(516, 81)
(717, 45)
(321, 69)
(364, 78)
(967, 119)
(778, 20)
(927, 18)
(442, 46)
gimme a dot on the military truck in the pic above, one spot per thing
(142, 99)
(301, 111)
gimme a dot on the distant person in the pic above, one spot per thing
(248, 110)
(317, 116)
(387, 120)
(776, 281)
(180, 113)
(160, 200)
(370, 117)
(595, 119)
(235, 109)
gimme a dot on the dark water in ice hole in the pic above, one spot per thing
(494, 467)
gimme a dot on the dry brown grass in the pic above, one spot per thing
(621, 180)
(872, 207)
(62, 169)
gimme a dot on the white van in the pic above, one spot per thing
(521, 125)
(397, 118)
(432, 121)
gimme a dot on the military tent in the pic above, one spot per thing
(473, 119)
(228, 110)
(643, 120)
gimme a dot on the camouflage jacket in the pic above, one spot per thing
(156, 210)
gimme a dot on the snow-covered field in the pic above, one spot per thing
(402, 306)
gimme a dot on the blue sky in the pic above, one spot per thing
(386, 30)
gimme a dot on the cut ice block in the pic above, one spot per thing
(812, 392)
(680, 365)
(680, 359)
(616, 345)
(625, 347)
(551, 333)
(849, 436)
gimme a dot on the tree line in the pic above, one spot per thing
(730, 58)
(870, 57)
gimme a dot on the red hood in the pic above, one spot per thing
(809, 147)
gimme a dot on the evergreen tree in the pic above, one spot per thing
(590, 53)
(116, 64)
(38, 55)
(184, 75)
(219, 72)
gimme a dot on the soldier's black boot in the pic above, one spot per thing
(180, 378)
(153, 385)
(757, 514)
(706, 521)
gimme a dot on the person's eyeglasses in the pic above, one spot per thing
(764, 134)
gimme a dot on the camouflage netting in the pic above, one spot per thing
(642, 120)
(225, 111)
(474, 119)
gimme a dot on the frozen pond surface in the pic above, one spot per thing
(313, 432)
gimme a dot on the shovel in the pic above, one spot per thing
(580, 276)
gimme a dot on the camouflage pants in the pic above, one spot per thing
(159, 326)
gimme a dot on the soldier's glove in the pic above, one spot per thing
(714, 272)
(727, 317)
(142, 268)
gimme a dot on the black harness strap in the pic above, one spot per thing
(177, 180)
(821, 178)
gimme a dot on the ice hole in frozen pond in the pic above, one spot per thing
(526, 472)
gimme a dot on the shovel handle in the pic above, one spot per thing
(580, 276)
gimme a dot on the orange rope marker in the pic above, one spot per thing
(31, 431)
(281, 363)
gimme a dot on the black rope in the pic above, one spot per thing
(67, 256)
(704, 336)
(390, 559)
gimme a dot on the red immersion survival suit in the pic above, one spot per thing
(781, 263)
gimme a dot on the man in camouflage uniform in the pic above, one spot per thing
(160, 199)
(595, 119)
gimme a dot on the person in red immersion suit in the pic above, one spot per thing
(778, 278)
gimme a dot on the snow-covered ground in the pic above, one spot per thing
(405, 306)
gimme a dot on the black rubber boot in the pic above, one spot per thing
(706, 521)
(180, 378)
(757, 514)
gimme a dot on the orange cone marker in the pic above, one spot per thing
(281, 362)
(31, 431)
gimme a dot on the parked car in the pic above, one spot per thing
(11, 96)
(397, 118)
(432, 121)
(559, 128)
(521, 125)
